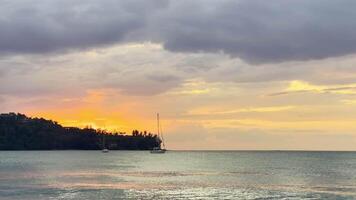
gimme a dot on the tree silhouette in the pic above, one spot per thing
(19, 132)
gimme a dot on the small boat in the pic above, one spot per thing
(158, 150)
(160, 139)
(105, 150)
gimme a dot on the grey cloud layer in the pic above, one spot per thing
(254, 30)
(36, 26)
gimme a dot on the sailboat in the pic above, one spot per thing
(159, 137)
(105, 150)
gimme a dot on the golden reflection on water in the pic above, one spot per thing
(233, 175)
(117, 185)
(96, 180)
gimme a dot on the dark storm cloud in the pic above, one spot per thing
(264, 31)
(37, 26)
(254, 30)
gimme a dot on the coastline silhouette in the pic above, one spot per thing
(19, 132)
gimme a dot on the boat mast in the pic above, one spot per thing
(159, 131)
(158, 125)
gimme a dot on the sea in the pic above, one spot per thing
(93, 175)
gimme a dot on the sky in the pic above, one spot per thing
(223, 74)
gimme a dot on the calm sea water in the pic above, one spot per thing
(177, 175)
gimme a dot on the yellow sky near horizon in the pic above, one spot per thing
(97, 110)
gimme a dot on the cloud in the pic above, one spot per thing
(349, 101)
(298, 86)
(148, 69)
(243, 110)
(146, 87)
(138, 70)
(255, 30)
(162, 77)
(264, 31)
(36, 26)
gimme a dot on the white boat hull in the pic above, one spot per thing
(158, 151)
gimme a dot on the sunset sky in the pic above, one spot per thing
(239, 74)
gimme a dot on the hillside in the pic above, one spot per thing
(19, 132)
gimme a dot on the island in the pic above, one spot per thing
(19, 132)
